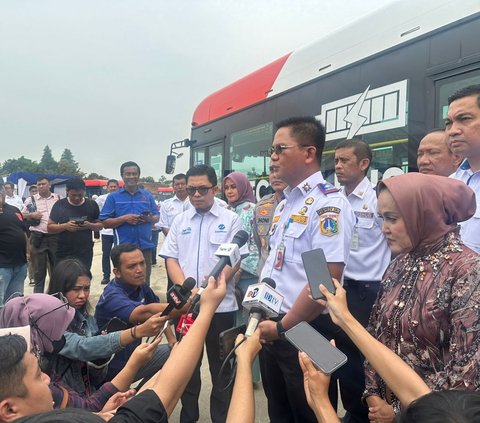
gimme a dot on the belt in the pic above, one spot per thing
(352, 283)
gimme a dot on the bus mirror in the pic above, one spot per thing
(170, 164)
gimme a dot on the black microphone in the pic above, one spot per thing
(262, 301)
(178, 295)
(226, 254)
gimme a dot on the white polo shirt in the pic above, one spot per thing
(101, 202)
(193, 239)
(320, 217)
(470, 229)
(369, 252)
(169, 209)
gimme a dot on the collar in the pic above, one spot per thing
(175, 198)
(123, 190)
(39, 197)
(215, 210)
(305, 187)
(361, 189)
(465, 165)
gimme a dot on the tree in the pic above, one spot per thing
(21, 164)
(47, 162)
(67, 164)
(164, 181)
(147, 179)
(94, 175)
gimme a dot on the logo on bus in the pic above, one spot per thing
(374, 110)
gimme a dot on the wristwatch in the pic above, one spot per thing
(280, 330)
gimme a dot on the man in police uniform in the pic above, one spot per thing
(313, 215)
(189, 250)
(369, 257)
(462, 126)
(263, 215)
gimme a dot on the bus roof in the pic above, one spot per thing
(385, 28)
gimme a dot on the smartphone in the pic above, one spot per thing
(324, 355)
(146, 213)
(227, 340)
(159, 334)
(113, 325)
(316, 268)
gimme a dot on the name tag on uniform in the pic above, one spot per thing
(276, 219)
(365, 220)
(298, 218)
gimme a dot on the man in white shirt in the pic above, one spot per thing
(189, 250)
(434, 157)
(12, 198)
(462, 126)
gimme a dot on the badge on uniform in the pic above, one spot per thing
(263, 212)
(298, 218)
(279, 257)
(309, 201)
(306, 187)
(303, 210)
(329, 220)
(276, 219)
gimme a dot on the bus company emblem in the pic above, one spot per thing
(374, 110)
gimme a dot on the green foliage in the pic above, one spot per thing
(164, 180)
(21, 164)
(47, 162)
(94, 175)
(67, 164)
(146, 179)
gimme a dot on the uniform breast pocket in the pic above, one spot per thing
(217, 239)
(365, 220)
(293, 243)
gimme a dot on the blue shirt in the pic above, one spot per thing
(120, 203)
(119, 300)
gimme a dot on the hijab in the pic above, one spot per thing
(47, 316)
(245, 190)
(430, 205)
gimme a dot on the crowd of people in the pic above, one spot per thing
(404, 257)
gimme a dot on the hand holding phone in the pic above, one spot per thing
(316, 268)
(322, 353)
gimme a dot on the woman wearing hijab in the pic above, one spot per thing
(49, 318)
(427, 310)
(240, 198)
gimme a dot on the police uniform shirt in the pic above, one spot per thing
(369, 252)
(169, 209)
(470, 229)
(262, 220)
(314, 214)
(193, 240)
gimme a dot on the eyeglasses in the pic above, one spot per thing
(201, 190)
(280, 148)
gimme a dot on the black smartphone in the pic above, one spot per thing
(227, 340)
(324, 355)
(316, 268)
(113, 325)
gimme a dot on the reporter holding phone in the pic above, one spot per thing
(83, 360)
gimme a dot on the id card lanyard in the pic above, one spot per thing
(280, 252)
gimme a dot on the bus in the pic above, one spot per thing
(385, 78)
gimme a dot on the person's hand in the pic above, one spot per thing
(35, 215)
(268, 331)
(152, 326)
(105, 415)
(249, 348)
(143, 353)
(336, 304)
(315, 382)
(117, 400)
(131, 218)
(379, 411)
(71, 226)
(214, 293)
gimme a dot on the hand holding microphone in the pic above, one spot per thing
(178, 295)
(263, 302)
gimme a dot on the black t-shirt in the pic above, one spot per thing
(13, 247)
(145, 407)
(74, 244)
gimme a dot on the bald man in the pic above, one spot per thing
(434, 157)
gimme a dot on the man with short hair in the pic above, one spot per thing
(314, 214)
(12, 198)
(106, 234)
(369, 257)
(13, 250)
(74, 219)
(189, 250)
(462, 126)
(43, 246)
(434, 157)
(130, 299)
(131, 211)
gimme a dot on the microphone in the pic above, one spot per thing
(178, 295)
(263, 302)
(229, 256)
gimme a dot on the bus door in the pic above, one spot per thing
(212, 155)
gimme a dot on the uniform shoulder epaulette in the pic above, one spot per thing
(327, 188)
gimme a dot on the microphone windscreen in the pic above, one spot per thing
(269, 282)
(188, 285)
(240, 238)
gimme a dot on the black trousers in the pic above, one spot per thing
(219, 397)
(107, 243)
(43, 248)
(351, 377)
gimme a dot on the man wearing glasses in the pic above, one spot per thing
(189, 250)
(314, 214)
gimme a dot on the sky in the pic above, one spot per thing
(118, 80)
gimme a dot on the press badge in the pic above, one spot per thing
(279, 256)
